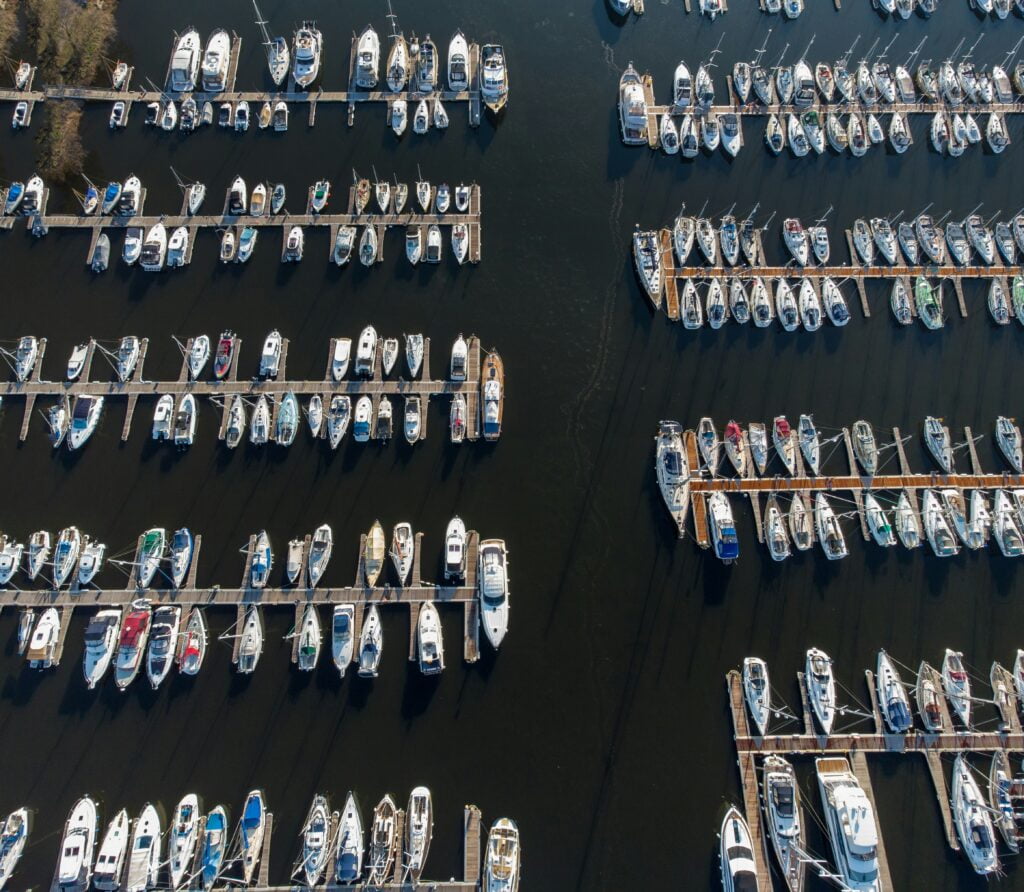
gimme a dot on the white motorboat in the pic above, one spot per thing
(131, 644)
(308, 52)
(74, 868)
(144, 854)
(185, 421)
(412, 419)
(363, 419)
(957, 685)
(101, 635)
(632, 108)
(89, 564)
(185, 62)
(458, 63)
(501, 869)
(111, 856)
(41, 651)
(736, 854)
(821, 687)
(850, 820)
(972, 820)
(163, 643)
(757, 692)
(370, 644)
(494, 589)
(723, 528)
(342, 640)
(784, 820)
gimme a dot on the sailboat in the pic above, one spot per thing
(278, 55)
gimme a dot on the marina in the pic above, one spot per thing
(464, 381)
(371, 589)
(466, 86)
(883, 504)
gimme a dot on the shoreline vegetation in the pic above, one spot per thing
(9, 27)
(70, 39)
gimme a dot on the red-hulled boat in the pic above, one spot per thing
(225, 353)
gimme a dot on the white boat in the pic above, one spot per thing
(810, 442)
(864, 446)
(163, 642)
(320, 549)
(111, 856)
(412, 419)
(101, 635)
(293, 560)
(973, 820)
(169, 117)
(307, 55)
(494, 81)
(150, 554)
(308, 633)
(251, 829)
(250, 645)
(830, 533)
(810, 306)
(371, 642)
(397, 70)
(757, 692)
(385, 417)
(717, 308)
(216, 60)
(403, 549)
(183, 838)
(707, 442)
(193, 651)
(262, 560)
(647, 258)
(936, 438)
(131, 644)
(433, 244)
(259, 431)
(145, 851)
(957, 685)
(185, 421)
(367, 59)
(632, 108)
(420, 119)
(460, 242)
(736, 854)
(185, 62)
(315, 415)
(850, 821)
(784, 820)
(908, 528)
(892, 695)
(493, 579)
(455, 550)
(878, 522)
(74, 868)
(348, 852)
(65, 557)
(672, 471)
(363, 419)
(1008, 437)
(338, 416)
(821, 687)
(723, 528)
(784, 442)
(342, 640)
(795, 237)
(316, 841)
(153, 255)
(88, 565)
(287, 423)
(41, 652)
(1006, 527)
(936, 525)
(501, 867)
(430, 640)
(413, 353)
(786, 306)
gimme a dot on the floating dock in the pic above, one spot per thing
(375, 385)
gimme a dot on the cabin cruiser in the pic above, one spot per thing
(362, 419)
(185, 62)
(1008, 437)
(936, 526)
(821, 687)
(830, 533)
(458, 63)
(294, 245)
(426, 66)
(74, 869)
(784, 442)
(1005, 526)
(342, 642)
(493, 77)
(781, 802)
(270, 358)
(957, 685)
(494, 589)
(185, 421)
(936, 438)
(16, 191)
(632, 108)
(757, 692)
(132, 644)
(32, 197)
(736, 854)
(850, 819)
(308, 50)
(163, 642)
(10, 558)
(41, 652)
(370, 644)
(250, 645)
(382, 430)
(153, 255)
(877, 521)
(85, 416)
(732, 136)
(892, 696)
(89, 564)
(723, 528)
(972, 820)
(906, 523)
(112, 853)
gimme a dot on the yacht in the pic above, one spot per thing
(65, 557)
(785, 303)
(88, 566)
(198, 355)
(320, 550)
(163, 642)
(216, 60)
(185, 62)
(775, 531)
(430, 641)
(348, 852)
(632, 108)
(1005, 526)
(796, 239)
(864, 447)
(74, 869)
(936, 438)
(151, 553)
(936, 526)
(250, 832)
(193, 651)
(101, 635)
(672, 471)
(342, 641)
(338, 415)
(830, 533)
(1008, 437)
(250, 645)
(757, 692)
(821, 687)
(958, 243)
(397, 69)
(262, 560)
(270, 358)
(810, 306)
(905, 520)
(736, 854)
(145, 851)
(493, 579)
(835, 304)
(113, 849)
(892, 696)
(501, 868)
(972, 820)
(42, 645)
(757, 439)
(877, 521)
(185, 421)
(784, 443)
(370, 644)
(850, 820)
(493, 77)
(707, 442)
(723, 528)
(215, 839)
(784, 820)
(885, 239)
(308, 50)
(132, 644)
(287, 424)
(183, 835)
(38, 553)
(315, 841)
(957, 685)
(458, 63)
(384, 841)
(717, 309)
(928, 301)
(929, 699)
(455, 550)
(363, 419)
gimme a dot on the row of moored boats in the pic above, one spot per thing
(198, 850)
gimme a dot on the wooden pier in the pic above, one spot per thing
(223, 391)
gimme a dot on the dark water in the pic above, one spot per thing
(602, 728)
